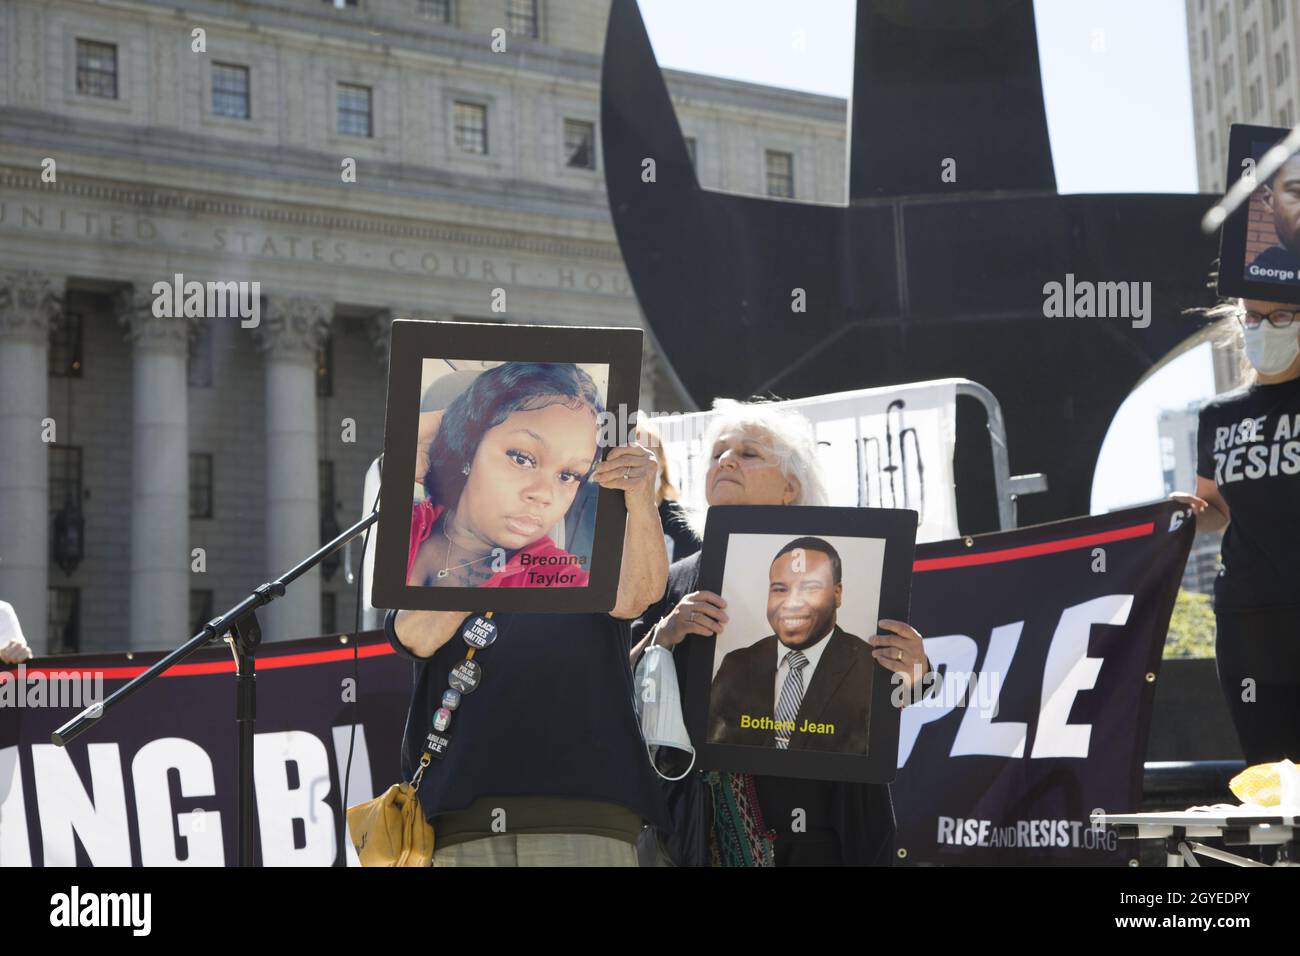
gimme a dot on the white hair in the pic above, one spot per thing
(1225, 334)
(793, 444)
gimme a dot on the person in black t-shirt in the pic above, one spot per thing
(759, 456)
(1248, 478)
(546, 764)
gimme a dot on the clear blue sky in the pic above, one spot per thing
(1118, 92)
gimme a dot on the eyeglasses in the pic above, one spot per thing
(1279, 319)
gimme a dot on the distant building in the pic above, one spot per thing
(218, 140)
(1243, 56)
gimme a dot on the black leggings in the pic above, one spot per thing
(1264, 647)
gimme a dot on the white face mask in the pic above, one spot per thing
(1272, 350)
(659, 704)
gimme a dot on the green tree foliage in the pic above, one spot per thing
(1191, 627)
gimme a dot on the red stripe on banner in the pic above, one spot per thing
(1034, 550)
(305, 659)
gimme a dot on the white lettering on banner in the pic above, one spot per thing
(360, 789)
(978, 734)
(15, 848)
(962, 831)
(956, 655)
(279, 805)
(66, 808)
(292, 776)
(158, 826)
(1069, 670)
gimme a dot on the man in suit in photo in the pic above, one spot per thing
(806, 686)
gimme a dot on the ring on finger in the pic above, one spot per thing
(627, 472)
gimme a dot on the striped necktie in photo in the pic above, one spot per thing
(787, 706)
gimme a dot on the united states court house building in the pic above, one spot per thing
(337, 164)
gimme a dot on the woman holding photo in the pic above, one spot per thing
(762, 456)
(1248, 479)
(501, 466)
(546, 765)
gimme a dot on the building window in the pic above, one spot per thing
(470, 121)
(1227, 75)
(780, 174)
(97, 69)
(579, 144)
(65, 476)
(328, 613)
(1286, 115)
(690, 150)
(439, 10)
(200, 485)
(199, 370)
(1205, 45)
(521, 18)
(1279, 10)
(1252, 44)
(325, 368)
(354, 110)
(200, 610)
(1209, 95)
(1256, 98)
(230, 90)
(65, 345)
(63, 627)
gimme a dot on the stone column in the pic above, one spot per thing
(292, 330)
(160, 470)
(29, 302)
(381, 327)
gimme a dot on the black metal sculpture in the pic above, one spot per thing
(917, 277)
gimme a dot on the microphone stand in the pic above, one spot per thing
(241, 631)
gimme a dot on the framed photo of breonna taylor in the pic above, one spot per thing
(491, 436)
(789, 688)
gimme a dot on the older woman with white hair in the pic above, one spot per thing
(760, 455)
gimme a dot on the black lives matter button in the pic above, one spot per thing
(479, 632)
(465, 676)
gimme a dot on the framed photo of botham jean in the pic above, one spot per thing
(790, 687)
(491, 437)
(1259, 248)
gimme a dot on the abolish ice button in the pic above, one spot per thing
(465, 676)
(479, 632)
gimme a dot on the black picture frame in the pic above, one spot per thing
(415, 341)
(897, 527)
(1247, 142)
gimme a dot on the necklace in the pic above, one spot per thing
(447, 570)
